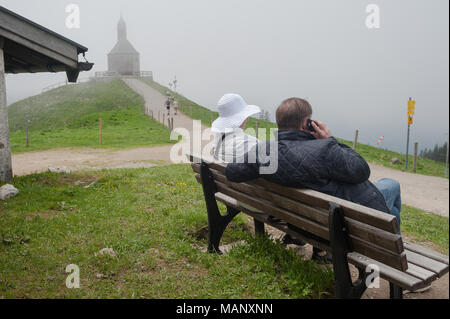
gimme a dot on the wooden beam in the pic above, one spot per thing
(36, 37)
(71, 62)
(5, 148)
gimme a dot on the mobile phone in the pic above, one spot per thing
(309, 126)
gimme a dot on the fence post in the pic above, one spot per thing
(101, 131)
(159, 116)
(446, 157)
(27, 129)
(164, 119)
(191, 112)
(171, 124)
(416, 144)
(257, 133)
(212, 117)
(355, 143)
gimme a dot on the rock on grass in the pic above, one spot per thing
(8, 191)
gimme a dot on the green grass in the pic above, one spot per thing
(425, 227)
(69, 117)
(153, 219)
(384, 157)
(370, 153)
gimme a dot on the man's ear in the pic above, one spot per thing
(303, 126)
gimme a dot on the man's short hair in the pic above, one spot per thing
(292, 113)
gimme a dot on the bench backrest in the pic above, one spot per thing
(372, 233)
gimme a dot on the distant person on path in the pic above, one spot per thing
(175, 105)
(309, 157)
(230, 141)
(168, 106)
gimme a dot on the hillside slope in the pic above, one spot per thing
(69, 117)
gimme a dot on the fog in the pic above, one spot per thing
(354, 77)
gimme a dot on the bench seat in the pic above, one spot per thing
(352, 233)
(431, 265)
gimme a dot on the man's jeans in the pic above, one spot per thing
(390, 189)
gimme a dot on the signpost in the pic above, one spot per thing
(411, 111)
(101, 131)
(27, 132)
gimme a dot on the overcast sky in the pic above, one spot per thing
(354, 77)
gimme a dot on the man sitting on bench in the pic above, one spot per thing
(309, 157)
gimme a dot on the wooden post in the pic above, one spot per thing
(101, 131)
(27, 129)
(257, 124)
(6, 173)
(212, 117)
(164, 119)
(355, 143)
(416, 146)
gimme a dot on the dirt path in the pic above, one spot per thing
(428, 193)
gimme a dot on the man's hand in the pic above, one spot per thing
(321, 130)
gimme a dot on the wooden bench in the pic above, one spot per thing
(353, 233)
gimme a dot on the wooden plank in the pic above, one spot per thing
(427, 252)
(394, 260)
(351, 210)
(430, 264)
(309, 212)
(387, 240)
(268, 208)
(400, 278)
(397, 261)
(354, 211)
(421, 273)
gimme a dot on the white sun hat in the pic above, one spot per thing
(232, 113)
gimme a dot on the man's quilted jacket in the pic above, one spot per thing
(323, 165)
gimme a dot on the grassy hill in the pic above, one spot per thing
(69, 117)
(371, 154)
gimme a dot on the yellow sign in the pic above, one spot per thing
(411, 107)
(410, 120)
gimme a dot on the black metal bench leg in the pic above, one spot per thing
(395, 291)
(340, 247)
(259, 227)
(216, 222)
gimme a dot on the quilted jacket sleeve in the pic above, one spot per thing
(245, 171)
(242, 172)
(345, 165)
